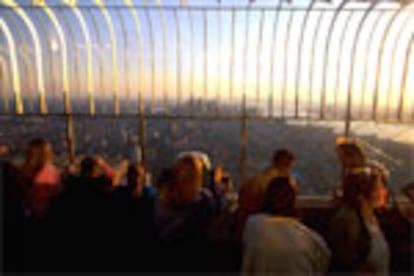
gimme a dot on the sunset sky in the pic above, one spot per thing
(212, 69)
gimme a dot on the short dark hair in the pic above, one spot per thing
(280, 197)
(88, 165)
(282, 155)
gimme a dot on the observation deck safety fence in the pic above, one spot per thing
(320, 61)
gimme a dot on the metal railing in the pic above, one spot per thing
(214, 62)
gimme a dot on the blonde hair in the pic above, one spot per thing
(187, 180)
(350, 152)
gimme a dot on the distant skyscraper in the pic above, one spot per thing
(134, 149)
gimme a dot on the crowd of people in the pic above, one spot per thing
(92, 217)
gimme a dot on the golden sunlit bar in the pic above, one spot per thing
(15, 67)
(114, 54)
(64, 51)
(88, 44)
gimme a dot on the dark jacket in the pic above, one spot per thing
(81, 225)
(348, 239)
(182, 233)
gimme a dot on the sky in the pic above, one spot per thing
(204, 58)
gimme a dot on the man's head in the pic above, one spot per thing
(283, 160)
(89, 166)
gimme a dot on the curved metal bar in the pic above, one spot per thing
(4, 77)
(218, 61)
(272, 58)
(190, 16)
(164, 51)
(205, 53)
(126, 61)
(299, 55)
(394, 51)
(244, 141)
(231, 57)
(100, 57)
(151, 34)
(178, 46)
(76, 59)
(244, 127)
(51, 65)
(379, 58)
(366, 61)
(14, 66)
(64, 54)
(325, 59)
(412, 113)
(285, 63)
(52, 71)
(26, 62)
(137, 25)
(38, 51)
(259, 47)
(87, 38)
(245, 51)
(312, 58)
(70, 130)
(338, 63)
(351, 69)
(114, 46)
(403, 88)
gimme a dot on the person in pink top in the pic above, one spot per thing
(38, 167)
(42, 177)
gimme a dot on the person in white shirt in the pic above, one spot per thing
(275, 242)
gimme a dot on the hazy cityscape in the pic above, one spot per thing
(192, 70)
(313, 142)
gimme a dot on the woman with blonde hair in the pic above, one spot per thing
(187, 182)
(354, 234)
(352, 157)
(350, 154)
